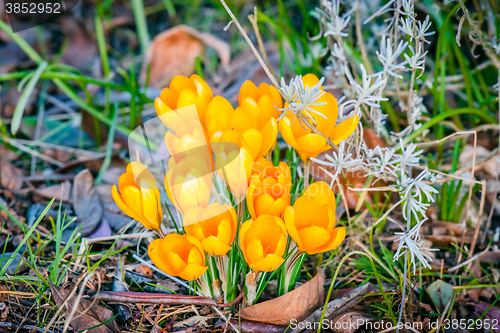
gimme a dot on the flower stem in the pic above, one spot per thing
(160, 233)
(404, 290)
(307, 165)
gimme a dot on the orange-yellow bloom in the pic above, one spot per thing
(246, 126)
(311, 220)
(304, 140)
(184, 91)
(188, 182)
(234, 166)
(263, 242)
(189, 140)
(178, 255)
(139, 195)
(269, 189)
(215, 227)
(267, 97)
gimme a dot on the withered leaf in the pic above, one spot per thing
(173, 52)
(94, 316)
(10, 176)
(86, 202)
(297, 304)
(58, 191)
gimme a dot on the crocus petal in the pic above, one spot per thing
(192, 272)
(169, 97)
(267, 264)
(289, 217)
(215, 247)
(132, 196)
(150, 204)
(269, 136)
(157, 256)
(343, 130)
(303, 208)
(250, 198)
(263, 204)
(225, 232)
(286, 132)
(253, 140)
(322, 193)
(336, 238)
(243, 233)
(126, 179)
(312, 144)
(313, 237)
(123, 206)
(195, 256)
(254, 250)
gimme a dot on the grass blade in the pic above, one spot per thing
(21, 104)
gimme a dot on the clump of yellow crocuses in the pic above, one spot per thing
(238, 207)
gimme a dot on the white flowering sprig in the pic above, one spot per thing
(340, 161)
(338, 60)
(366, 92)
(301, 99)
(388, 56)
(336, 23)
(417, 60)
(409, 156)
(382, 161)
(413, 242)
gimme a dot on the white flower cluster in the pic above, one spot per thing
(366, 92)
(301, 98)
(336, 23)
(340, 161)
(414, 193)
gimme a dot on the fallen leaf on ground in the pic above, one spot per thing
(333, 308)
(103, 230)
(173, 52)
(94, 316)
(490, 256)
(492, 166)
(86, 202)
(441, 293)
(58, 191)
(494, 312)
(297, 304)
(11, 177)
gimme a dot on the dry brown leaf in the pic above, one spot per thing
(94, 316)
(11, 177)
(86, 202)
(492, 166)
(297, 304)
(58, 191)
(173, 52)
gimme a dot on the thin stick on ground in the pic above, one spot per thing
(185, 286)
